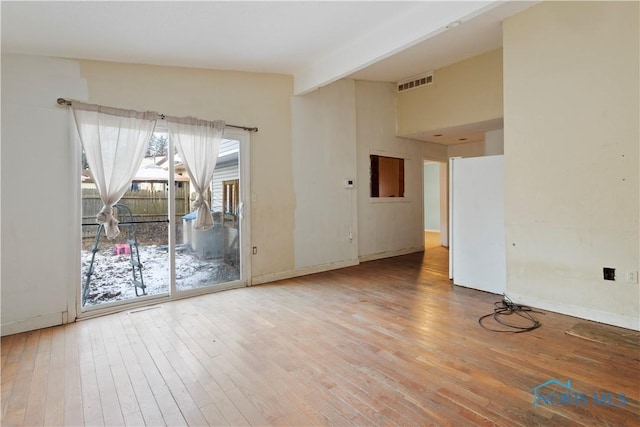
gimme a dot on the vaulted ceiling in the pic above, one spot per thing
(317, 42)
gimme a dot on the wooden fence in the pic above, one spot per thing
(144, 205)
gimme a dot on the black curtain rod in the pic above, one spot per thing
(63, 101)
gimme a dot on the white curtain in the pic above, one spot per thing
(114, 142)
(198, 142)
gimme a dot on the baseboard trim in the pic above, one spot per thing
(389, 254)
(31, 324)
(274, 277)
(628, 322)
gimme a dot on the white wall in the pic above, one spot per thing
(394, 227)
(324, 155)
(432, 196)
(444, 204)
(494, 142)
(477, 216)
(38, 199)
(571, 84)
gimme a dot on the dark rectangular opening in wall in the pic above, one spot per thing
(387, 176)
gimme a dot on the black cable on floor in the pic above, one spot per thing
(506, 307)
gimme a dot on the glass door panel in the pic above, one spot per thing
(212, 257)
(136, 263)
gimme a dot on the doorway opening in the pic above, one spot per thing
(436, 214)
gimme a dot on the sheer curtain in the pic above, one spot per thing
(198, 142)
(114, 142)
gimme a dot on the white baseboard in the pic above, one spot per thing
(628, 322)
(273, 277)
(389, 254)
(33, 323)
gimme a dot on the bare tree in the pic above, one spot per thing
(157, 146)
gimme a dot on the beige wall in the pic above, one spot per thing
(40, 262)
(571, 158)
(324, 155)
(470, 149)
(251, 99)
(387, 228)
(494, 142)
(335, 129)
(40, 188)
(304, 150)
(468, 91)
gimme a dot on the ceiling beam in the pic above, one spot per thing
(418, 23)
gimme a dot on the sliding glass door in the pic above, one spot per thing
(212, 257)
(158, 253)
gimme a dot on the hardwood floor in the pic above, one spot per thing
(388, 342)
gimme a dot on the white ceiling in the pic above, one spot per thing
(476, 35)
(277, 37)
(317, 42)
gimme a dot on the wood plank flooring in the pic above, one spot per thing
(387, 342)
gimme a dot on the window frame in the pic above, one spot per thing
(76, 311)
(375, 179)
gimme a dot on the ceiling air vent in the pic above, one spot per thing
(414, 82)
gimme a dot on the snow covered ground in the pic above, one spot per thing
(112, 276)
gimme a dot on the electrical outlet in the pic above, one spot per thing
(632, 276)
(609, 273)
(255, 250)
